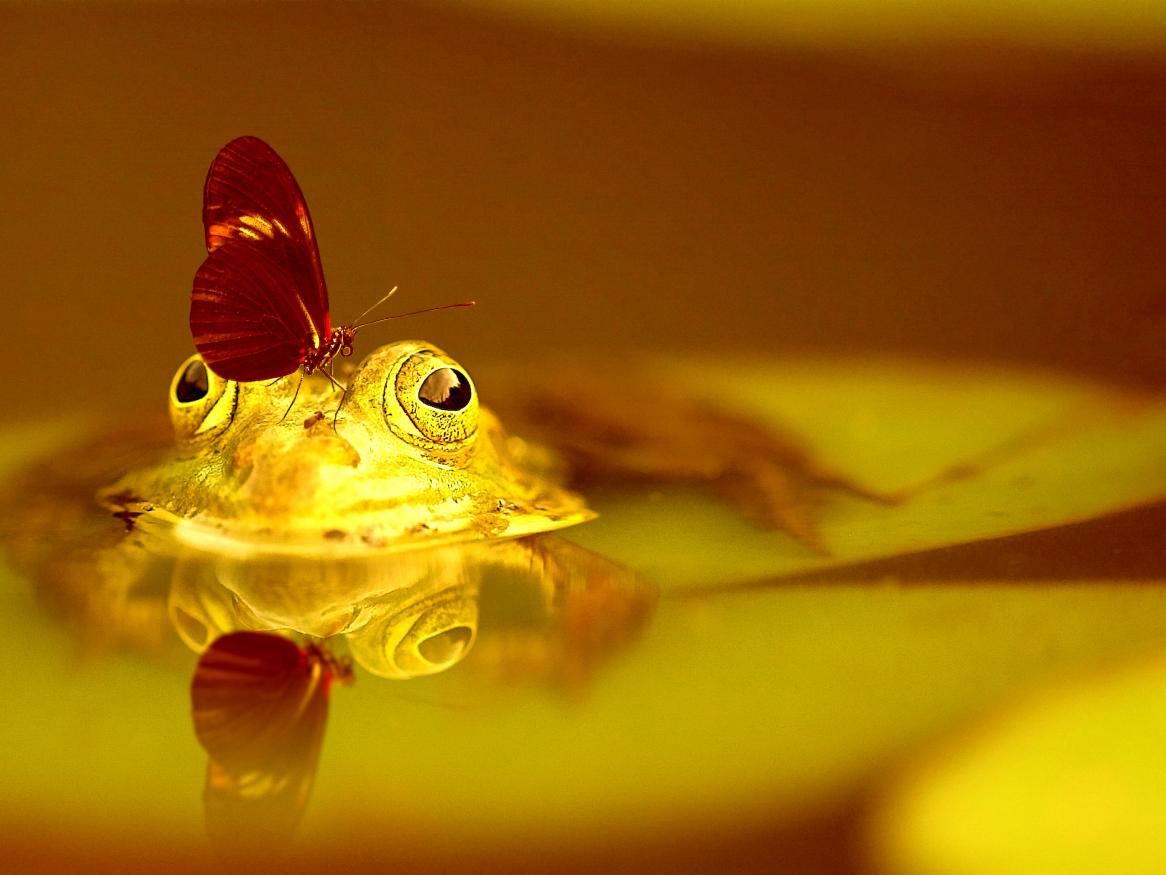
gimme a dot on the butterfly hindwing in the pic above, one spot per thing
(257, 222)
(243, 324)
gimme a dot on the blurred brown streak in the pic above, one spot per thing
(986, 202)
(831, 843)
(1124, 546)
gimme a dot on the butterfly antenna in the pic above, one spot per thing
(392, 292)
(416, 313)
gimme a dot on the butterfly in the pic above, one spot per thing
(259, 305)
(260, 706)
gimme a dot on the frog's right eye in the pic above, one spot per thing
(201, 402)
(416, 631)
(437, 399)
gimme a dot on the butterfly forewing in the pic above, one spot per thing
(257, 223)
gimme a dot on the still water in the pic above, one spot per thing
(670, 685)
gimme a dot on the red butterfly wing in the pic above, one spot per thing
(260, 706)
(243, 325)
(246, 328)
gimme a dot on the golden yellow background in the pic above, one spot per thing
(959, 186)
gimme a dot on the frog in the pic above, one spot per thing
(409, 460)
(313, 508)
(282, 507)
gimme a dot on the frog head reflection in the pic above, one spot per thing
(401, 619)
(260, 701)
(556, 611)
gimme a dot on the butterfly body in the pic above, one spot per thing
(318, 358)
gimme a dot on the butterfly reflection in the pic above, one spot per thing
(260, 706)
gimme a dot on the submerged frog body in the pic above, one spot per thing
(410, 459)
(405, 532)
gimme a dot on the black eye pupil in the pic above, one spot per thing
(193, 384)
(445, 389)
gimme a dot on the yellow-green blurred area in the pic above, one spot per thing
(1069, 781)
(925, 237)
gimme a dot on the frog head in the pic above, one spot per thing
(406, 457)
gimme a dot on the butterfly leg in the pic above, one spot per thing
(294, 397)
(343, 396)
(336, 385)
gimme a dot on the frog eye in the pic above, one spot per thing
(201, 402)
(192, 383)
(446, 389)
(436, 396)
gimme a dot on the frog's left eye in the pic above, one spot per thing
(437, 398)
(201, 402)
(192, 384)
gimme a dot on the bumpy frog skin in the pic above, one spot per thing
(411, 460)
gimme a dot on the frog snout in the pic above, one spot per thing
(313, 463)
(329, 449)
(296, 476)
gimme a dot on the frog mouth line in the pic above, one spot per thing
(166, 533)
